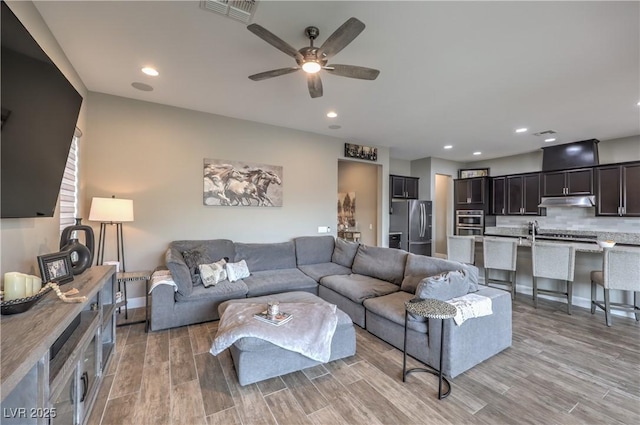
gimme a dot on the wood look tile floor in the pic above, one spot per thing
(560, 369)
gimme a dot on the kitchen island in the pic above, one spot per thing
(588, 258)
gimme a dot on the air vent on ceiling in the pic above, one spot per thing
(545, 133)
(240, 10)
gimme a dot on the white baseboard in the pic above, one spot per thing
(576, 301)
(136, 302)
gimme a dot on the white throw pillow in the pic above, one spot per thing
(214, 273)
(237, 271)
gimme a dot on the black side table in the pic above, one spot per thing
(123, 278)
(431, 309)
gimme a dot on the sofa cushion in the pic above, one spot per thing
(318, 271)
(267, 256)
(344, 252)
(193, 258)
(391, 307)
(216, 248)
(419, 266)
(444, 286)
(382, 263)
(179, 270)
(224, 290)
(314, 249)
(358, 287)
(275, 281)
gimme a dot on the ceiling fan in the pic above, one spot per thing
(312, 59)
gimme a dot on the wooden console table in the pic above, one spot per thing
(39, 390)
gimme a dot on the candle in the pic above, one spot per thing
(14, 285)
(36, 284)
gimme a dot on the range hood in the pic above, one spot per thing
(569, 201)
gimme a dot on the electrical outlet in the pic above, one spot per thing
(370, 226)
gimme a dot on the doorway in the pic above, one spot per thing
(358, 182)
(443, 214)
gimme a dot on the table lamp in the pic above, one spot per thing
(111, 211)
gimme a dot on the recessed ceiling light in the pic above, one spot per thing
(638, 103)
(521, 130)
(150, 71)
(332, 114)
(477, 153)
(448, 147)
(550, 140)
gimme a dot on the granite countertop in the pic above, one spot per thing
(619, 238)
(395, 233)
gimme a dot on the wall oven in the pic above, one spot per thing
(469, 222)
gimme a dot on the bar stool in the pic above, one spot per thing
(500, 254)
(620, 271)
(461, 249)
(553, 261)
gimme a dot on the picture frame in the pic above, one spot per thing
(469, 173)
(361, 152)
(56, 267)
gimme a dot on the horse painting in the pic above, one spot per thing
(241, 184)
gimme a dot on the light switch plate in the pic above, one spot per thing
(323, 229)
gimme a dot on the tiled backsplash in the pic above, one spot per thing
(574, 218)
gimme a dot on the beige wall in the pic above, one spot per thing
(23, 239)
(362, 178)
(153, 154)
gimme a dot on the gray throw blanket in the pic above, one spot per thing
(309, 332)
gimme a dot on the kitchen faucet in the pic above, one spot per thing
(533, 229)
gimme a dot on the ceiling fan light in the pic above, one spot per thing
(311, 67)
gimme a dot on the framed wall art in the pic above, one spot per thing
(360, 152)
(56, 267)
(241, 184)
(473, 172)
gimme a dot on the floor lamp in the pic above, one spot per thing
(111, 211)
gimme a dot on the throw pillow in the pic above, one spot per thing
(214, 273)
(193, 258)
(237, 271)
(444, 286)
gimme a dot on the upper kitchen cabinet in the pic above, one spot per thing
(404, 187)
(570, 182)
(523, 194)
(498, 196)
(471, 193)
(617, 190)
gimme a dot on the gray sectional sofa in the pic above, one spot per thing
(370, 284)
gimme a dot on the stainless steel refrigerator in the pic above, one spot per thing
(413, 219)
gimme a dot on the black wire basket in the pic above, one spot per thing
(21, 305)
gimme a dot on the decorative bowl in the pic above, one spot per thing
(21, 304)
(606, 244)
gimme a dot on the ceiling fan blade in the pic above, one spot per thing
(352, 71)
(274, 40)
(341, 38)
(273, 73)
(315, 85)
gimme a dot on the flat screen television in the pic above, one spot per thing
(570, 155)
(40, 109)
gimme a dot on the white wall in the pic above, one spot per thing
(401, 167)
(153, 154)
(23, 239)
(361, 178)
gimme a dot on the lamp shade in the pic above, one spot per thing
(111, 210)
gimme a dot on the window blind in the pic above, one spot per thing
(69, 188)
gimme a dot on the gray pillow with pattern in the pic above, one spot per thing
(193, 258)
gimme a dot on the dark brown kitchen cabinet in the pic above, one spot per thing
(570, 182)
(470, 192)
(498, 196)
(523, 194)
(404, 187)
(617, 190)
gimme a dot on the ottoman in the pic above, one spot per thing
(256, 360)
